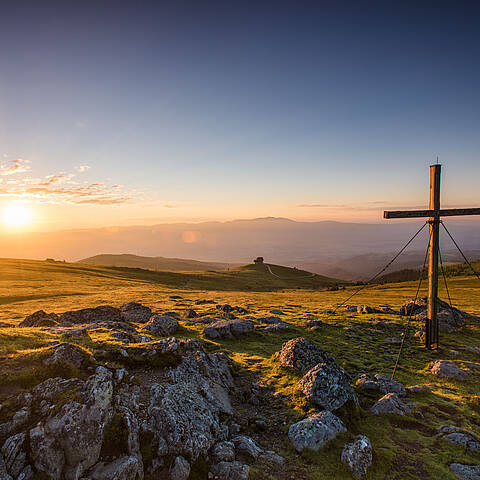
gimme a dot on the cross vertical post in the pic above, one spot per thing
(433, 214)
(434, 224)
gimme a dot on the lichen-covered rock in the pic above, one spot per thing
(271, 457)
(47, 456)
(134, 312)
(464, 439)
(228, 328)
(274, 327)
(447, 369)
(247, 447)
(14, 454)
(161, 325)
(229, 471)
(186, 413)
(418, 389)
(357, 455)
(180, 469)
(68, 354)
(390, 403)
(327, 385)
(302, 354)
(381, 383)
(40, 319)
(124, 468)
(316, 431)
(223, 452)
(78, 427)
(466, 472)
(3, 470)
(103, 313)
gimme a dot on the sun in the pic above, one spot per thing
(17, 215)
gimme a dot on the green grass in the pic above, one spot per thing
(404, 447)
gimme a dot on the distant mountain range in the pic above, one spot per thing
(154, 263)
(342, 250)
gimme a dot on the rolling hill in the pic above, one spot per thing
(154, 263)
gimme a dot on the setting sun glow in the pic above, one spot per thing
(17, 215)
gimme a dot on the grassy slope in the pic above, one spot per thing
(404, 447)
(153, 263)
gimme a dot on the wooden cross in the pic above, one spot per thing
(434, 213)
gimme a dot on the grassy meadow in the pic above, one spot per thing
(404, 447)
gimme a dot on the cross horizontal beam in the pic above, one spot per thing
(449, 212)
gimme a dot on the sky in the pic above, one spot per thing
(118, 113)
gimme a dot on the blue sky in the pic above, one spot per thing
(222, 110)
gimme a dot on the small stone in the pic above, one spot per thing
(419, 389)
(357, 455)
(180, 469)
(247, 447)
(272, 458)
(390, 403)
(447, 369)
(316, 431)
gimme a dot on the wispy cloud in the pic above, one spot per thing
(18, 165)
(82, 168)
(60, 187)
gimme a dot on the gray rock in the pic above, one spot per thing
(92, 315)
(381, 383)
(357, 456)
(418, 389)
(464, 439)
(351, 308)
(275, 311)
(14, 455)
(229, 471)
(302, 354)
(228, 328)
(466, 472)
(272, 458)
(189, 313)
(135, 312)
(390, 403)
(246, 447)
(40, 319)
(327, 385)
(223, 452)
(180, 469)
(47, 456)
(269, 320)
(447, 369)
(161, 325)
(3, 470)
(276, 327)
(124, 468)
(315, 431)
(67, 354)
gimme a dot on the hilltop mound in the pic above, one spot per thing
(153, 263)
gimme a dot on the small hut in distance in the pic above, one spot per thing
(258, 260)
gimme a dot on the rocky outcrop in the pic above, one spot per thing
(315, 431)
(180, 469)
(103, 313)
(390, 403)
(40, 319)
(67, 354)
(302, 354)
(357, 456)
(228, 328)
(229, 471)
(162, 325)
(447, 369)
(134, 312)
(465, 472)
(327, 385)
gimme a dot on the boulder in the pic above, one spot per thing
(270, 320)
(327, 385)
(390, 403)
(315, 431)
(189, 313)
(357, 456)
(180, 469)
(464, 439)
(381, 383)
(103, 313)
(449, 320)
(228, 328)
(67, 354)
(47, 456)
(124, 468)
(229, 471)
(246, 447)
(447, 369)
(418, 389)
(161, 325)
(271, 457)
(302, 354)
(275, 327)
(466, 472)
(275, 311)
(134, 312)
(3, 470)
(186, 412)
(15, 456)
(40, 319)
